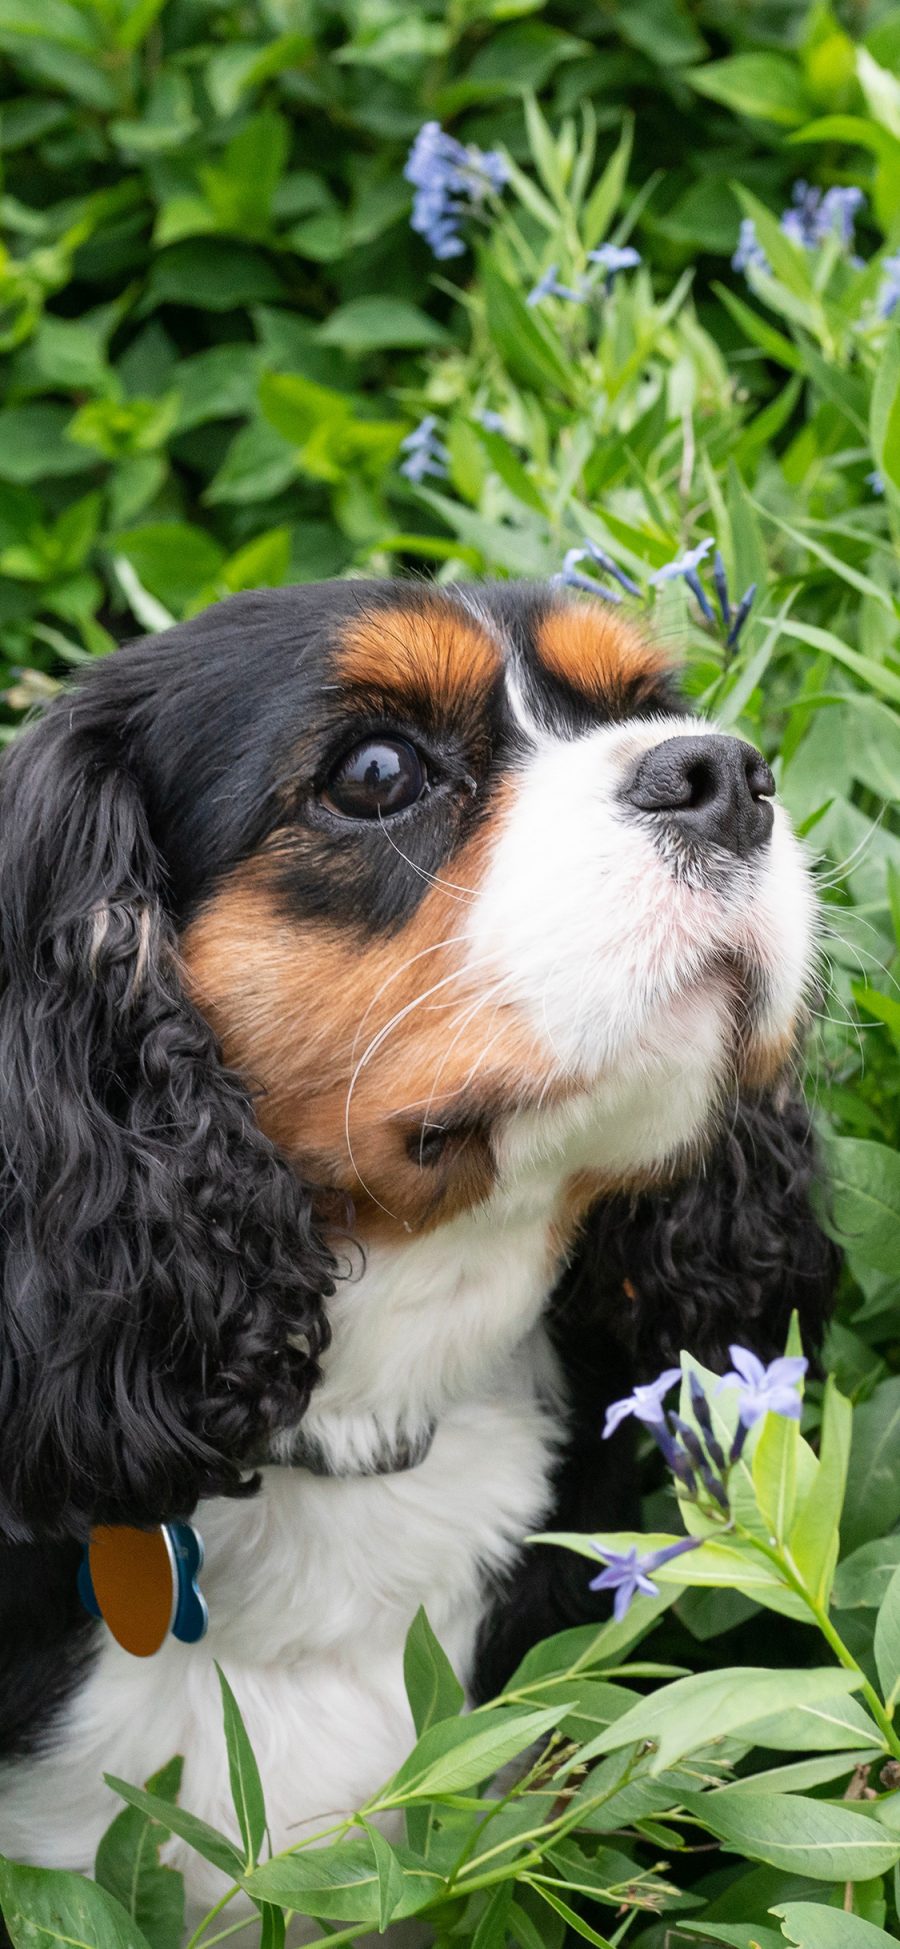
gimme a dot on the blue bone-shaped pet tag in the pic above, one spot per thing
(143, 1584)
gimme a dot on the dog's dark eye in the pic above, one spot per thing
(381, 776)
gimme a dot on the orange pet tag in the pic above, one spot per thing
(141, 1582)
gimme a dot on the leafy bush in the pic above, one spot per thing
(229, 360)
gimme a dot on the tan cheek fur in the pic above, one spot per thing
(318, 1019)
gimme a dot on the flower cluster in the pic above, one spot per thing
(813, 217)
(695, 1455)
(425, 451)
(451, 179)
(611, 258)
(686, 565)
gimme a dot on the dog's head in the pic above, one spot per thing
(359, 895)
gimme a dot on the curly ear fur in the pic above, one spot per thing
(159, 1254)
(727, 1254)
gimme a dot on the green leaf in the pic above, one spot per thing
(33, 445)
(46, 1906)
(682, 1718)
(204, 1840)
(173, 559)
(390, 1876)
(572, 1921)
(885, 411)
(810, 1925)
(343, 1882)
(806, 1837)
(887, 1643)
(528, 349)
(128, 1867)
(432, 1687)
(768, 86)
(862, 1579)
(243, 1773)
(872, 1504)
(373, 324)
(775, 1472)
(460, 1753)
(864, 1180)
(814, 1535)
(606, 195)
(830, 1725)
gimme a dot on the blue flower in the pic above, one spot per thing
(749, 251)
(492, 422)
(765, 1390)
(875, 480)
(613, 258)
(810, 220)
(450, 180)
(686, 564)
(889, 291)
(645, 1403)
(425, 452)
(627, 1573)
(549, 286)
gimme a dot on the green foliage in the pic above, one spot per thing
(216, 328)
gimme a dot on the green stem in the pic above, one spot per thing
(782, 1562)
(211, 1915)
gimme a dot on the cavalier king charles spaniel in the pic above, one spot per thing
(400, 997)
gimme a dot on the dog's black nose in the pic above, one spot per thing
(715, 790)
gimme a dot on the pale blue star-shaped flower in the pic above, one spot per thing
(686, 564)
(450, 179)
(645, 1403)
(771, 1389)
(626, 1573)
(549, 286)
(614, 257)
(425, 451)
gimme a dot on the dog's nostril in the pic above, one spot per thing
(714, 789)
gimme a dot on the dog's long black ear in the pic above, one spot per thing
(159, 1255)
(725, 1255)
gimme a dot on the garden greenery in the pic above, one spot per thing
(611, 293)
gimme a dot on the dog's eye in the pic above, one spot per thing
(376, 778)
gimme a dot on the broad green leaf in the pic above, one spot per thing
(807, 1837)
(828, 1725)
(128, 1867)
(432, 1687)
(682, 1717)
(864, 1180)
(872, 1504)
(372, 324)
(45, 1907)
(735, 1935)
(243, 1773)
(205, 1840)
(769, 86)
(862, 1579)
(343, 1882)
(887, 1643)
(810, 1925)
(173, 559)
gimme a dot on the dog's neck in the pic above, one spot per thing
(422, 1323)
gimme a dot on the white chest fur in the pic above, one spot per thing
(313, 1585)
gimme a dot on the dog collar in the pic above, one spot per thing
(143, 1584)
(308, 1452)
